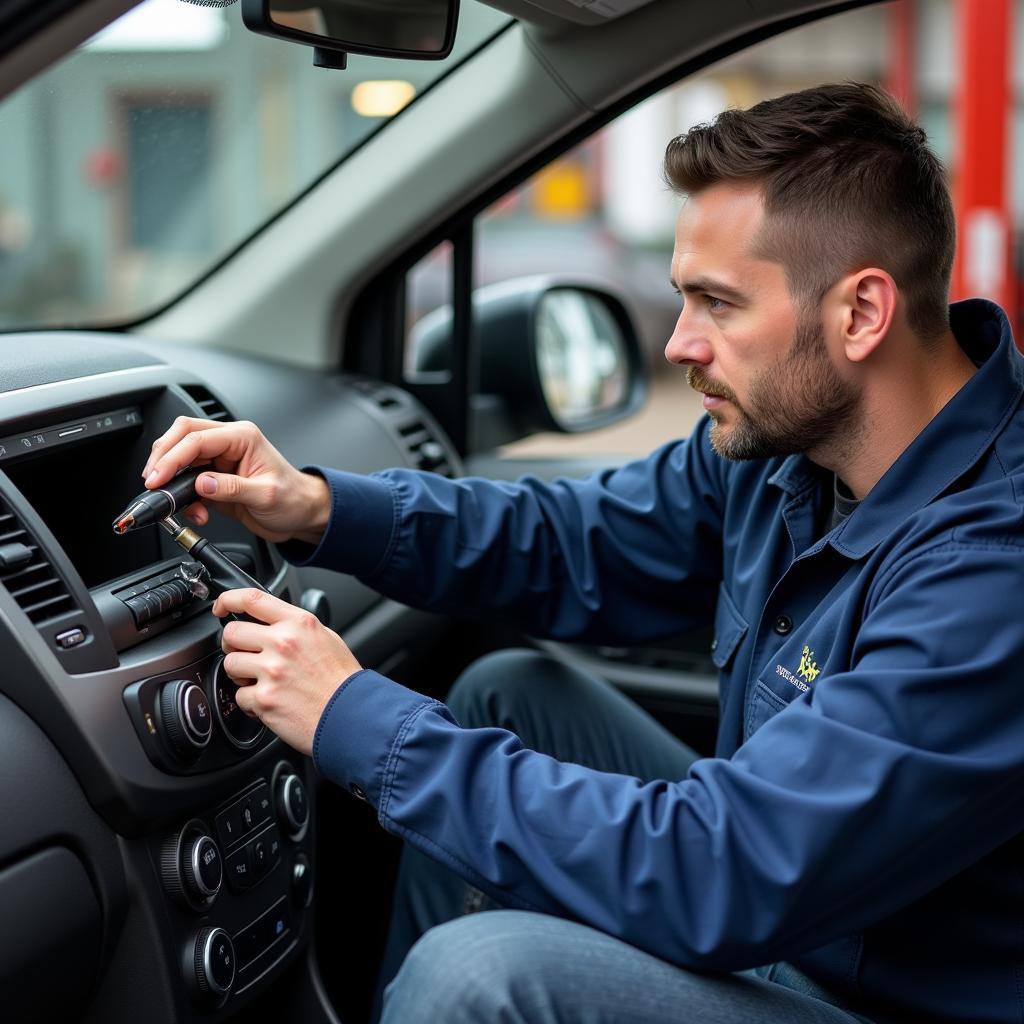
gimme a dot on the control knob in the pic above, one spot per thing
(213, 965)
(292, 804)
(185, 718)
(192, 866)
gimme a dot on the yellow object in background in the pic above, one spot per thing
(562, 191)
(381, 98)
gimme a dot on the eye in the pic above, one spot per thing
(715, 304)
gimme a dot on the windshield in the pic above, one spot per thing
(139, 161)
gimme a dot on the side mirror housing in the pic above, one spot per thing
(554, 353)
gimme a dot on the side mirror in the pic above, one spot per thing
(555, 353)
(410, 29)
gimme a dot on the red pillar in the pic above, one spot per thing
(983, 110)
(901, 67)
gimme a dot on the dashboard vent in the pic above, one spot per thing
(213, 408)
(417, 437)
(29, 578)
(380, 394)
(426, 451)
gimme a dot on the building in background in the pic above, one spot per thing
(113, 196)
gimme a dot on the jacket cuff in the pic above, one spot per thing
(361, 730)
(359, 532)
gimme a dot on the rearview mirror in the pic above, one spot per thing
(410, 29)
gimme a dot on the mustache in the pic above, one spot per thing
(700, 381)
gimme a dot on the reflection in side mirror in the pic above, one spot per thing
(581, 356)
(410, 29)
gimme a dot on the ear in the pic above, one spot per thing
(867, 311)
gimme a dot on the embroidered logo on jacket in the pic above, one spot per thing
(807, 670)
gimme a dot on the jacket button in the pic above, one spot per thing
(783, 625)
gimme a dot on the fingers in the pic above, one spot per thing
(243, 667)
(197, 513)
(192, 440)
(242, 636)
(257, 603)
(226, 487)
(245, 698)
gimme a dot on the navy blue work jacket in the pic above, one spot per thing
(863, 816)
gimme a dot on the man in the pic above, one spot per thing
(848, 514)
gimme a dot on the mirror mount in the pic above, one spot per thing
(336, 60)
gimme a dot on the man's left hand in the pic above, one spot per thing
(286, 666)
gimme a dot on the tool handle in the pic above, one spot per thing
(182, 488)
(224, 574)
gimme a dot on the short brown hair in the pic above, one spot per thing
(848, 181)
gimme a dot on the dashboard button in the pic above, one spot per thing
(70, 637)
(239, 869)
(262, 805)
(247, 814)
(302, 880)
(139, 610)
(260, 858)
(229, 825)
(273, 841)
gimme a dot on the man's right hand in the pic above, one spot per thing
(251, 481)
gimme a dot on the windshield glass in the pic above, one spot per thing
(139, 161)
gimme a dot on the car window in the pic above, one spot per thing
(142, 159)
(603, 209)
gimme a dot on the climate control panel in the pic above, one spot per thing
(239, 881)
(188, 720)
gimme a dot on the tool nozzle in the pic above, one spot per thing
(127, 519)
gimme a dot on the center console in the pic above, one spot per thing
(106, 646)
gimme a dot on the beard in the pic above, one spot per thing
(798, 403)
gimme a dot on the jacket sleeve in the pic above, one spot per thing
(865, 793)
(621, 557)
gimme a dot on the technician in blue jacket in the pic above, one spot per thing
(848, 514)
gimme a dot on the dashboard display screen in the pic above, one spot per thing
(77, 490)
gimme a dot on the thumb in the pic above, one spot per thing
(226, 487)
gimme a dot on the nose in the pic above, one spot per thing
(688, 345)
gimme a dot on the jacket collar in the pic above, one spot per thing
(948, 446)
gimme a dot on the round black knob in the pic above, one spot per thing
(202, 867)
(213, 961)
(292, 805)
(192, 867)
(242, 731)
(185, 717)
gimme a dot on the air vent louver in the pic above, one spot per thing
(32, 581)
(426, 451)
(213, 408)
(418, 439)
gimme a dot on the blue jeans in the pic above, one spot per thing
(523, 968)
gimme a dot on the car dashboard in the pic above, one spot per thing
(158, 853)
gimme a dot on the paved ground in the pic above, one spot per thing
(671, 411)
